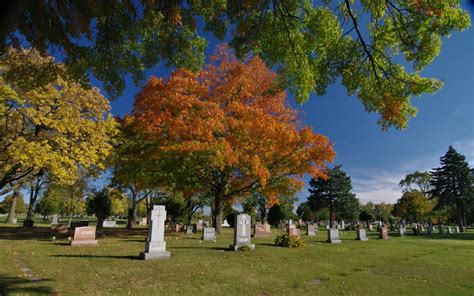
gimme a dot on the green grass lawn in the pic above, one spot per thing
(32, 263)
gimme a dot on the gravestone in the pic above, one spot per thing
(261, 230)
(457, 229)
(143, 221)
(179, 227)
(242, 232)
(383, 232)
(343, 225)
(225, 224)
(293, 231)
(403, 231)
(84, 236)
(190, 229)
(371, 227)
(311, 230)
(55, 219)
(333, 236)
(59, 228)
(328, 227)
(339, 227)
(208, 233)
(449, 230)
(109, 224)
(155, 247)
(200, 225)
(362, 234)
(430, 230)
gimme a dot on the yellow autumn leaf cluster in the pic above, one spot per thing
(57, 126)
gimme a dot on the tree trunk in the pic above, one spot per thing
(99, 228)
(331, 217)
(218, 209)
(12, 211)
(132, 213)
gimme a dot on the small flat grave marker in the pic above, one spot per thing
(209, 233)
(109, 224)
(59, 228)
(84, 236)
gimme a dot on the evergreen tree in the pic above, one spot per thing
(335, 195)
(100, 204)
(452, 186)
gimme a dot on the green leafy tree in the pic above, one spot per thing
(49, 204)
(311, 44)
(335, 195)
(275, 215)
(417, 181)
(100, 204)
(367, 212)
(453, 185)
(383, 211)
(73, 196)
(305, 213)
(413, 206)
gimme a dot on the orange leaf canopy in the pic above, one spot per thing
(232, 118)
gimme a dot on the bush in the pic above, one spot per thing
(244, 248)
(284, 240)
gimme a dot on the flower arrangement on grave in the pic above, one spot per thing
(288, 241)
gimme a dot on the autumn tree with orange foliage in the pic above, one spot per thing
(230, 127)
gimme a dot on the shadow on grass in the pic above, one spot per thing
(127, 257)
(460, 236)
(13, 286)
(203, 247)
(132, 240)
(44, 233)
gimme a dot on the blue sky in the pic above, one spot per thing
(377, 160)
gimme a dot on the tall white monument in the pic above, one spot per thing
(155, 247)
(242, 232)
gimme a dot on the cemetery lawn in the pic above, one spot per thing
(32, 263)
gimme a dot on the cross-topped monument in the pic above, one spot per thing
(155, 247)
(242, 232)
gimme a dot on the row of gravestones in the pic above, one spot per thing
(155, 247)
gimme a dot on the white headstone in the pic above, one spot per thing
(109, 224)
(55, 219)
(362, 234)
(225, 224)
(343, 225)
(242, 232)
(155, 247)
(209, 233)
(333, 236)
(402, 231)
